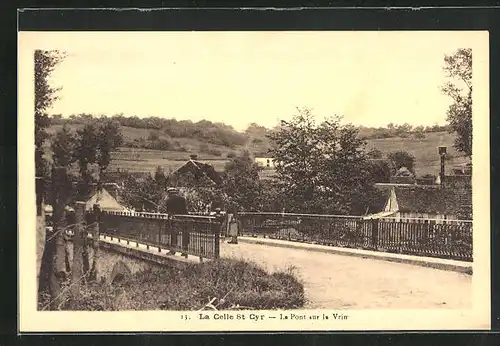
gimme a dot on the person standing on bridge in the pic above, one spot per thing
(233, 227)
(176, 204)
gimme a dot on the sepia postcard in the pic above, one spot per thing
(253, 181)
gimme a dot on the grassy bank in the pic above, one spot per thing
(228, 284)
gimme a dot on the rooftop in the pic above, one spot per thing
(428, 199)
(199, 169)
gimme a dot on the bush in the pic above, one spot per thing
(419, 135)
(153, 136)
(205, 149)
(232, 282)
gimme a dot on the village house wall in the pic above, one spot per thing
(266, 162)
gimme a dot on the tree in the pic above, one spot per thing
(458, 69)
(94, 144)
(297, 155)
(419, 132)
(242, 184)
(321, 168)
(85, 155)
(375, 153)
(401, 158)
(160, 179)
(403, 129)
(142, 194)
(153, 136)
(345, 172)
(271, 199)
(63, 147)
(45, 96)
(110, 138)
(380, 170)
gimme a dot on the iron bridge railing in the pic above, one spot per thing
(451, 239)
(191, 234)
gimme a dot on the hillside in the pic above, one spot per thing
(139, 159)
(425, 150)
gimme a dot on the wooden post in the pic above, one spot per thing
(375, 233)
(78, 243)
(147, 234)
(40, 226)
(216, 230)
(159, 236)
(85, 252)
(96, 238)
(58, 273)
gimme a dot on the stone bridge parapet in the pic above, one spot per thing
(117, 260)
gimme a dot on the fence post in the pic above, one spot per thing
(252, 223)
(40, 230)
(96, 238)
(159, 235)
(375, 233)
(58, 272)
(216, 229)
(78, 243)
(147, 233)
(85, 253)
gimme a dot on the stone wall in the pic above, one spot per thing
(117, 260)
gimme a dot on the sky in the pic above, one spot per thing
(370, 78)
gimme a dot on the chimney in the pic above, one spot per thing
(442, 153)
(193, 157)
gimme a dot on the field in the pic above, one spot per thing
(425, 150)
(146, 160)
(143, 160)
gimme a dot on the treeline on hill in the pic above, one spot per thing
(164, 133)
(163, 130)
(402, 131)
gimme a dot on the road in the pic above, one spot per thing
(336, 281)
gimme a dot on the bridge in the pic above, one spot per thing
(334, 276)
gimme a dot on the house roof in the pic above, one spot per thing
(200, 169)
(427, 199)
(105, 201)
(404, 172)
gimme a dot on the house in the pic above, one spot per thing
(106, 198)
(403, 176)
(265, 162)
(199, 170)
(461, 177)
(420, 203)
(448, 197)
